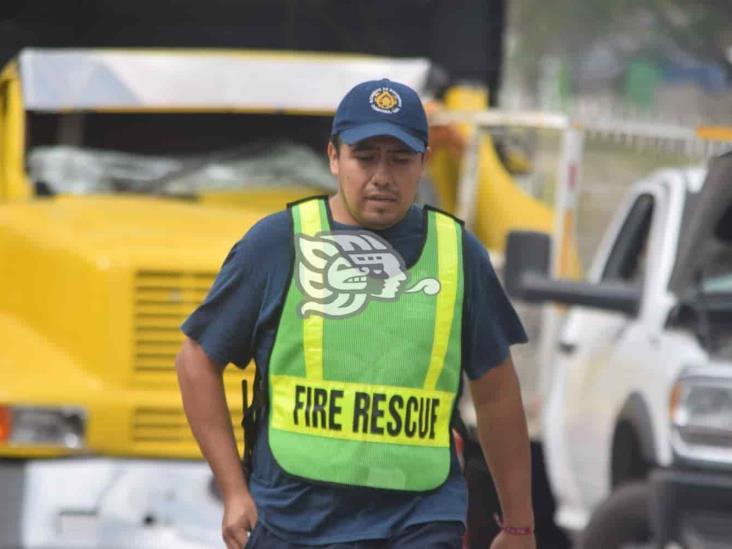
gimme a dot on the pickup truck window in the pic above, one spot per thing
(627, 258)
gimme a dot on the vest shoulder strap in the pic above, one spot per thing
(443, 212)
(290, 205)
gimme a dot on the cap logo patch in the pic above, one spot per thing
(385, 100)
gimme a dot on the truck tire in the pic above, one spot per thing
(622, 520)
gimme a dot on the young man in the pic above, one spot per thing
(361, 311)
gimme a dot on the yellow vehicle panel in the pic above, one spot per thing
(100, 286)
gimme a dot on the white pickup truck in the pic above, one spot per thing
(637, 428)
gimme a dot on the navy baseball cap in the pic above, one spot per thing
(381, 107)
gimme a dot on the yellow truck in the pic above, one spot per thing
(125, 176)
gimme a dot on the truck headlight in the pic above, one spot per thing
(63, 427)
(701, 418)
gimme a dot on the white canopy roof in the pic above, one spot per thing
(219, 80)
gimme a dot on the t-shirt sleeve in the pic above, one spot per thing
(224, 324)
(490, 323)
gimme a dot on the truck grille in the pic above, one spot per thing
(163, 300)
(167, 428)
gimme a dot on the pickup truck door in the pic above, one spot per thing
(580, 415)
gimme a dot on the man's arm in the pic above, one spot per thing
(204, 401)
(505, 442)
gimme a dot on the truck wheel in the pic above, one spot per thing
(623, 520)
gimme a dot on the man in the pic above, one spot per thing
(361, 311)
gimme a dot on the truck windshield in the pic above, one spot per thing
(718, 284)
(717, 275)
(266, 164)
(717, 271)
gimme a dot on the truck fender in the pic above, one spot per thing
(633, 449)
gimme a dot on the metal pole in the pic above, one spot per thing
(567, 194)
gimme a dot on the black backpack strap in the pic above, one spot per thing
(459, 425)
(252, 414)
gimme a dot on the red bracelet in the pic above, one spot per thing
(513, 529)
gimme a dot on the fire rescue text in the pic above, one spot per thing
(374, 413)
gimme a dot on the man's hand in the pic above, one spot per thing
(204, 401)
(512, 541)
(240, 517)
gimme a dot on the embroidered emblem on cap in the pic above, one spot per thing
(385, 100)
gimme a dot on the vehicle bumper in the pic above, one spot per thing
(108, 502)
(692, 508)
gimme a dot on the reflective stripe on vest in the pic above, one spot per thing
(366, 362)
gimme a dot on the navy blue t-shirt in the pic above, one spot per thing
(238, 322)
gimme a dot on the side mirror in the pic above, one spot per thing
(527, 252)
(526, 277)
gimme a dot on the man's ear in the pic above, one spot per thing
(426, 156)
(332, 158)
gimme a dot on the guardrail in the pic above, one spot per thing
(698, 143)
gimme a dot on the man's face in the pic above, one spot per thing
(377, 181)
